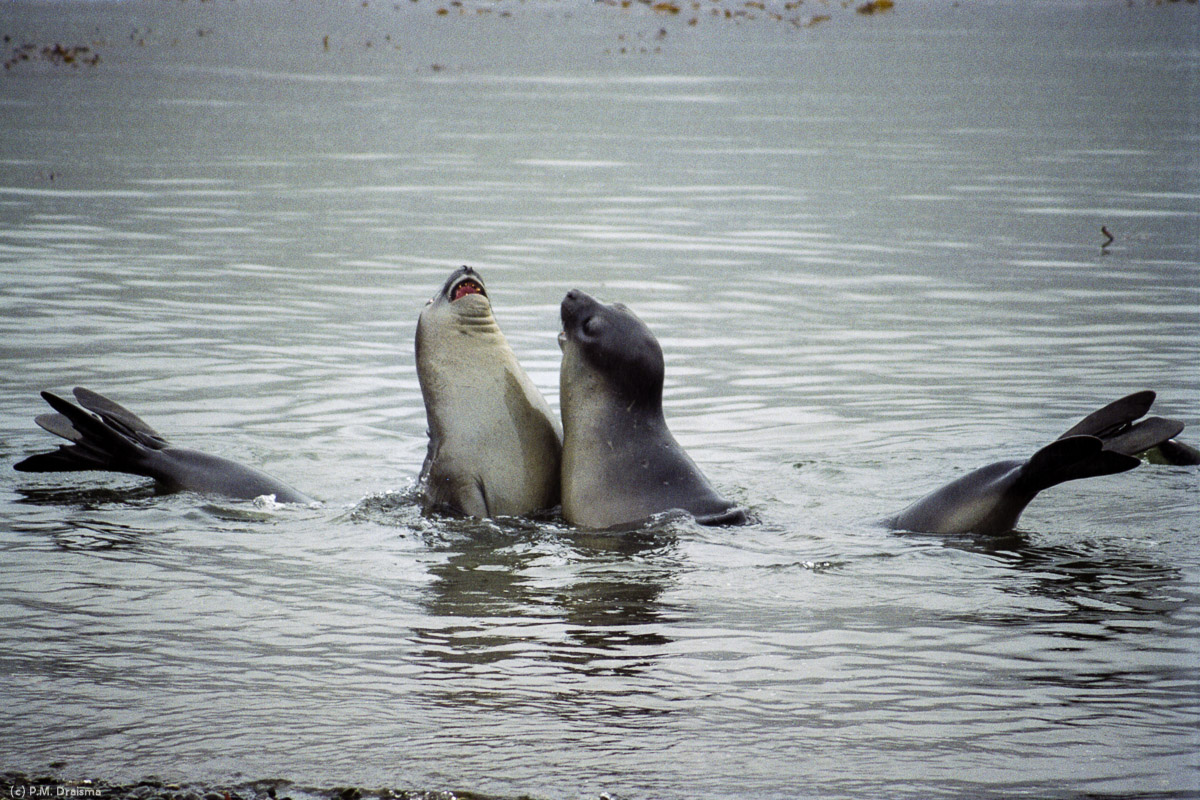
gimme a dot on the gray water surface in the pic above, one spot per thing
(870, 248)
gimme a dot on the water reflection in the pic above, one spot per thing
(591, 603)
(88, 496)
(614, 607)
(86, 534)
(1094, 585)
(93, 518)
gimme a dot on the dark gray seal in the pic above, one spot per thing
(109, 437)
(494, 445)
(990, 500)
(620, 463)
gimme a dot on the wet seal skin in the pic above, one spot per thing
(494, 445)
(990, 500)
(621, 465)
(108, 437)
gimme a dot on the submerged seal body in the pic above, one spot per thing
(620, 462)
(494, 445)
(990, 499)
(107, 436)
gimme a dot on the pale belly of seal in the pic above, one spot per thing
(494, 445)
(492, 452)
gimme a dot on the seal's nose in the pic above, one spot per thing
(570, 304)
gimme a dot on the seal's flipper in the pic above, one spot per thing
(1145, 435)
(59, 426)
(67, 458)
(734, 516)
(1105, 422)
(97, 445)
(1118, 427)
(1071, 459)
(109, 437)
(93, 432)
(117, 416)
(990, 500)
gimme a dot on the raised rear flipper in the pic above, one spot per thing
(1114, 417)
(1117, 425)
(117, 416)
(990, 499)
(1070, 459)
(109, 437)
(96, 445)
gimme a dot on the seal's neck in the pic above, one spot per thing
(594, 415)
(478, 324)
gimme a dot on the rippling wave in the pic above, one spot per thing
(871, 251)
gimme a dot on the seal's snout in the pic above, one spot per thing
(574, 305)
(567, 307)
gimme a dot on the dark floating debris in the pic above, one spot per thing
(874, 6)
(749, 11)
(56, 53)
(1108, 237)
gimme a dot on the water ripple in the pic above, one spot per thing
(859, 296)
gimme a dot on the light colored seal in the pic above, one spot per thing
(621, 464)
(494, 445)
(990, 500)
(109, 437)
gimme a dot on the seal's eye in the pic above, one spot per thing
(592, 326)
(465, 288)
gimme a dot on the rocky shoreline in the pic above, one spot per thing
(22, 786)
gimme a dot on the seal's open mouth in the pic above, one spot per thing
(464, 288)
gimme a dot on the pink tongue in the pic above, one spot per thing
(465, 288)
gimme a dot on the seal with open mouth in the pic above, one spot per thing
(494, 445)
